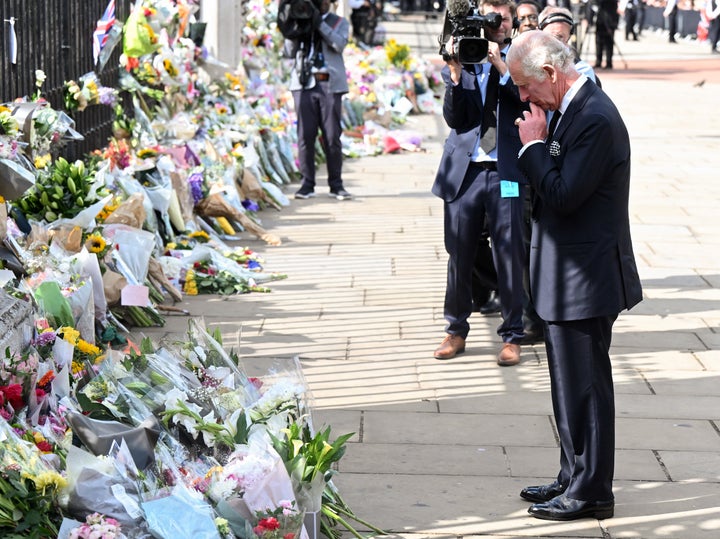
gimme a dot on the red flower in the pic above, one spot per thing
(13, 393)
(44, 446)
(290, 535)
(269, 523)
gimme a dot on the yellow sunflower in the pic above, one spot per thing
(95, 243)
(199, 235)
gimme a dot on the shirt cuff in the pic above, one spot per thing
(522, 150)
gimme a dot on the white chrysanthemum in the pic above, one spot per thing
(221, 489)
(278, 395)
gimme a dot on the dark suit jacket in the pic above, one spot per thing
(463, 112)
(581, 257)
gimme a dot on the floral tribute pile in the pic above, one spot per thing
(173, 441)
(198, 150)
(100, 437)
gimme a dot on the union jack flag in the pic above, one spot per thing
(102, 30)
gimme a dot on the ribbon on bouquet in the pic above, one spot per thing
(12, 45)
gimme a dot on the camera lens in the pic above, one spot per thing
(472, 50)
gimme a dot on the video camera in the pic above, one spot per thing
(303, 9)
(465, 24)
(295, 18)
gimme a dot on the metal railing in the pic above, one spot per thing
(56, 36)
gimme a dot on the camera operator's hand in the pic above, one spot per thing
(454, 65)
(495, 58)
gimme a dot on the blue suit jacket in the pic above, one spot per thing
(463, 112)
(581, 257)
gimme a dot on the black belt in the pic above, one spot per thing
(321, 77)
(485, 165)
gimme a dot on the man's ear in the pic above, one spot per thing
(550, 71)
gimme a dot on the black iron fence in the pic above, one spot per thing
(56, 36)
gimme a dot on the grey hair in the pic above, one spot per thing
(535, 48)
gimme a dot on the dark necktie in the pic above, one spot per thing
(488, 132)
(553, 123)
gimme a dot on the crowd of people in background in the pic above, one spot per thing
(599, 17)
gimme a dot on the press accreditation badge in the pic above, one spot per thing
(509, 189)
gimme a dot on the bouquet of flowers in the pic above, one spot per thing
(283, 522)
(97, 526)
(63, 189)
(87, 91)
(28, 488)
(8, 133)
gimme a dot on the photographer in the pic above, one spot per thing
(478, 177)
(364, 18)
(317, 82)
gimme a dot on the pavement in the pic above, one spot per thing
(442, 449)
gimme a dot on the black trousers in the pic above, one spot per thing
(630, 21)
(714, 33)
(464, 220)
(583, 401)
(319, 109)
(672, 24)
(604, 43)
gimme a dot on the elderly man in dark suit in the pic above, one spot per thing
(582, 267)
(478, 178)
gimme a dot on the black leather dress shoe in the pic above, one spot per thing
(542, 493)
(564, 508)
(492, 305)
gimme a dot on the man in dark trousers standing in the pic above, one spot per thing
(606, 22)
(318, 81)
(478, 178)
(582, 267)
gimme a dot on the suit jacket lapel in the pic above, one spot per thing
(577, 103)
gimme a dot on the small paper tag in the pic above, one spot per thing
(130, 505)
(509, 189)
(135, 294)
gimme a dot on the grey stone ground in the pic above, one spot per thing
(442, 449)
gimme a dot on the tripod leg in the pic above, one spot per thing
(625, 64)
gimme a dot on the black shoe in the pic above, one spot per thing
(305, 192)
(492, 305)
(533, 335)
(340, 194)
(564, 508)
(542, 493)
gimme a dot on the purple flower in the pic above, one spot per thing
(196, 181)
(253, 264)
(107, 96)
(250, 205)
(48, 337)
